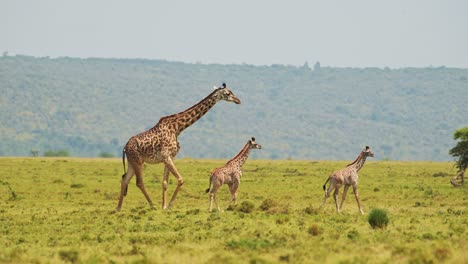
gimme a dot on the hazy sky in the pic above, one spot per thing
(367, 33)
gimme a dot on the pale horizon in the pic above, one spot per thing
(358, 34)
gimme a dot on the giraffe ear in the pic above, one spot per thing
(214, 87)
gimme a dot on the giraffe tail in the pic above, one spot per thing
(125, 170)
(325, 184)
(209, 186)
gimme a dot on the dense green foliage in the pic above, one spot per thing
(460, 151)
(91, 106)
(62, 210)
(56, 153)
(378, 218)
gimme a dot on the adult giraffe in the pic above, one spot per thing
(159, 144)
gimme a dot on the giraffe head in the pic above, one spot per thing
(254, 145)
(367, 152)
(223, 93)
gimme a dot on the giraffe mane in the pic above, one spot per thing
(173, 115)
(356, 160)
(240, 152)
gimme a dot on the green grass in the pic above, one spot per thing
(62, 210)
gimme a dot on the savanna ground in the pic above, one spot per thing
(63, 210)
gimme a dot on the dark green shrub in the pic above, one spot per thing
(311, 210)
(246, 207)
(69, 255)
(378, 218)
(58, 153)
(314, 230)
(268, 204)
(353, 235)
(106, 155)
(440, 174)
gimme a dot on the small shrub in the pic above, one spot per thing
(106, 155)
(442, 253)
(69, 255)
(284, 258)
(232, 207)
(58, 153)
(246, 207)
(76, 185)
(252, 244)
(455, 212)
(353, 235)
(427, 236)
(282, 220)
(13, 195)
(311, 210)
(268, 204)
(314, 230)
(193, 212)
(440, 174)
(378, 218)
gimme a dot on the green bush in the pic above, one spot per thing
(106, 155)
(57, 153)
(246, 207)
(378, 218)
(267, 204)
(315, 230)
(69, 255)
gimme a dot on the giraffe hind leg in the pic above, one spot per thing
(233, 189)
(356, 194)
(344, 196)
(124, 185)
(126, 188)
(213, 196)
(327, 193)
(180, 181)
(164, 186)
(335, 197)
(140, 184)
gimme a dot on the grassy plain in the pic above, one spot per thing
(62, 210)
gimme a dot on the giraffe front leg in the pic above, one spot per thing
(356, 194)
(164, 187)
(346, 187)
(171, 167)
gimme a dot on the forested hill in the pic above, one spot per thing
(92, 106)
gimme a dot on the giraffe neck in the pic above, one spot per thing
(242, 156)
(359, 162)
(179, 122)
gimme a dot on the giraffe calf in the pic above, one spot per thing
(230, 173)
(348, 177)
